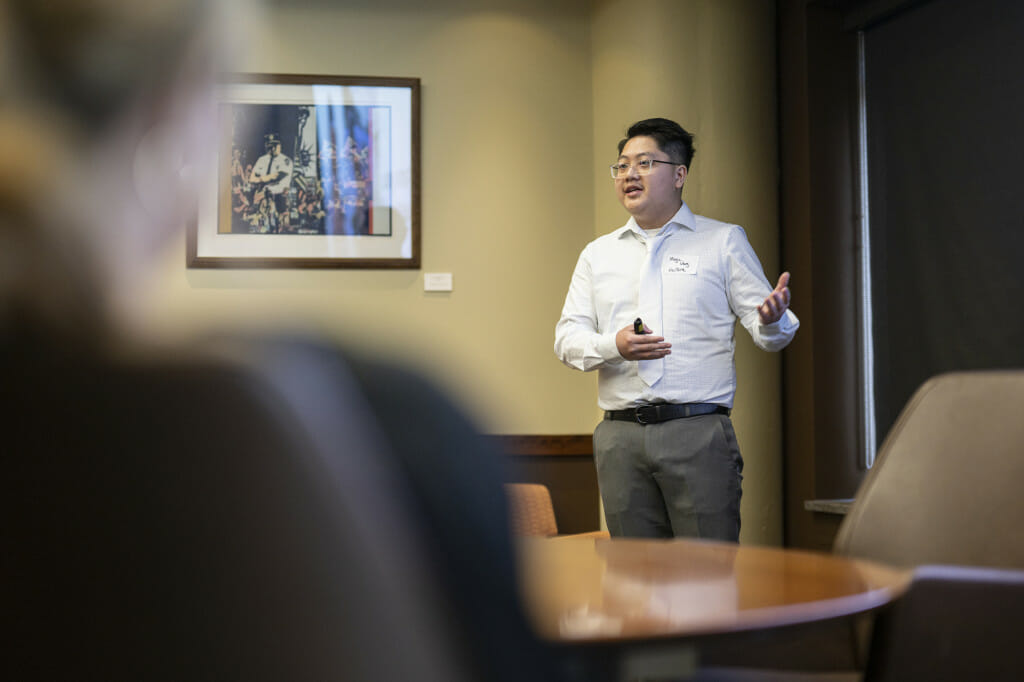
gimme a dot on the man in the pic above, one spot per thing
(272, 176)
(652, 306)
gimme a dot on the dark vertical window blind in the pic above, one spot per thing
(945, 130)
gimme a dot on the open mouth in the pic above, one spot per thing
(633, 190)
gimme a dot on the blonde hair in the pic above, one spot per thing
(75, 76)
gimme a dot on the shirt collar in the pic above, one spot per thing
(683, 218)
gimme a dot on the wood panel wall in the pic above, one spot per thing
(565, 464)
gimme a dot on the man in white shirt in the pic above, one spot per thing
(667, 459)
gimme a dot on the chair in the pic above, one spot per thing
(954, 623)
(241, 515)
(944, 490)
(531, 512)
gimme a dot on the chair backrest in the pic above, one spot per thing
(192, 518)
(946, 486)
(954, 623)
(531, 512)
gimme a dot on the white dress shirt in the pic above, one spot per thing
(279, 165)
(710, 277)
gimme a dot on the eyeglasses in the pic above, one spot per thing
(643, 167)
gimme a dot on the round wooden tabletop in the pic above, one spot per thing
(586, 589)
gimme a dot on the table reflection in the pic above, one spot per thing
(586, 589)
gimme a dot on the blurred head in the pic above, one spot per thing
(105, 107)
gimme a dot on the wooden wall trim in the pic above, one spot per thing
(546, 446)
(565, 464)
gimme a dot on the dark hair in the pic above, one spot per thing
(93, 58)
(670, 136)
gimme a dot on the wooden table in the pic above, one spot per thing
(587, 590)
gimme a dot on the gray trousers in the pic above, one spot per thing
(679, 478)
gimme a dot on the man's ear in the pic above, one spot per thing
(680, 176)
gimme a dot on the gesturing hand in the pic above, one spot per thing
(633, 346)
(777, 302)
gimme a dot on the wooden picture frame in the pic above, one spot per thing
(312, 172)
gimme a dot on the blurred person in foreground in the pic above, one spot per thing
(267, 509)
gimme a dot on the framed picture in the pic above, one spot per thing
(312, 172)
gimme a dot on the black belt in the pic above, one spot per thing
(663, 412)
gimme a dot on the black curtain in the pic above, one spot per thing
(945, 110)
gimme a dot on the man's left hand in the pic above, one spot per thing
(775, 306)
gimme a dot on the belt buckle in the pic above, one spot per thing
(647, 409)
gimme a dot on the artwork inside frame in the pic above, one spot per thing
(311, 172)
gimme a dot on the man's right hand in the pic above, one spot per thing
(634, 346)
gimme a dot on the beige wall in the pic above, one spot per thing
(522, 103)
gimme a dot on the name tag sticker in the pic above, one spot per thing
(681, 265)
